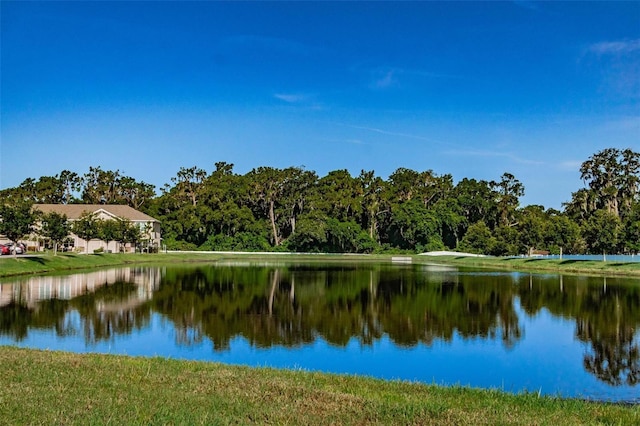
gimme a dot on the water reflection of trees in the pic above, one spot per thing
(607, 319)
(105, 313)
(421, 310)
(291, 306)
(15, 320)
(107, 303)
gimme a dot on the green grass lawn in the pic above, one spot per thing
(566, 266)
(43, 387)
(45, 263)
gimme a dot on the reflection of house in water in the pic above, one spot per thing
(30, 291)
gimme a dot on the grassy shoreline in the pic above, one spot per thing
(560, 266)
(66, 262)
(100, 389)
(63, 262)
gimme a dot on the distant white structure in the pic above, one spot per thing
(450, 253)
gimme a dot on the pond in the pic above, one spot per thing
(569, 336)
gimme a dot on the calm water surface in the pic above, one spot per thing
(559, 335)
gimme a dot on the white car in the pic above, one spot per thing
(16, 248)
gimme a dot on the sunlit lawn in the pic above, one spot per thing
(42, 387)
(540, 264)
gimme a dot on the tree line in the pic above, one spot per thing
(293, 209)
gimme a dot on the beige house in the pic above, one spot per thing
(149, 226)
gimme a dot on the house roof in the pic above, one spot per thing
(74, 211)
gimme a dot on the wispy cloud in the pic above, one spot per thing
(343, 141)
(302, 100)
(625, 124)
(399, 134)
(291, 98)
(508, 155)
(569, 165)
(383, 79)
(615, 47)
(389, 77)
(618, 64)
(527, 4)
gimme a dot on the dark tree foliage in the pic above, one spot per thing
(17, 220)
(612, 177)
(55, 228)
(86, 227)
(95, 187)
(294, 209)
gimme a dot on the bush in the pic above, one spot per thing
(243, 241)
(173, 244)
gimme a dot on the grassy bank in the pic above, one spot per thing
(46, 263)
(565, 266)
(42, 387)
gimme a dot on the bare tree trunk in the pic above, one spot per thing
(272, 217)
(373, 224)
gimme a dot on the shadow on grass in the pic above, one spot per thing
(572, 261)
(36, 259)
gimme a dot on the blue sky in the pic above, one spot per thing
(474, 89)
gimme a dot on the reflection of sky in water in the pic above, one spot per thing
(548, 358)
